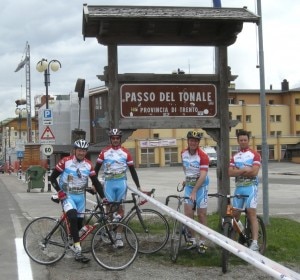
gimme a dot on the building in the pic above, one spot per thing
(162, 147)
(151, 147)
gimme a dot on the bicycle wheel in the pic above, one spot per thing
(176, 240)
(45, 240)
(151, 229)
(227, 231)
(262, 234)
(105, 251)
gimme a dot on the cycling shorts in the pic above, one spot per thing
(201, 196)
(248, 202)
(75, 201)
(115, 190)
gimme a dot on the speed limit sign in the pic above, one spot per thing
(47, 150)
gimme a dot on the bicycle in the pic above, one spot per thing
(241, 233)
(150, 226)
(179, 230)
(46, 240)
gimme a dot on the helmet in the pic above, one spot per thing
(81, 144)
(115, 132)
(194, 134)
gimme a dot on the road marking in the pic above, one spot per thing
(23, 262)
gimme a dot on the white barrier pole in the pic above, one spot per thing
(270, 267)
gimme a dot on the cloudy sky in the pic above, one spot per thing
(53, 31)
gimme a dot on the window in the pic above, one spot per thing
(275, 133)
(275, 118)
(147, 156)
(231, 101)
(297, 101)
(298, 132)
(156, 135)
(271, 151)
(239, 118)
(298, 118)
(234, 150)
(271, 101)
(171, 156)
(248, 118)
(241, 102)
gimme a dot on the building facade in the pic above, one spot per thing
(162, 147)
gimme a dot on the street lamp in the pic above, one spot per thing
(21, 112)
(9, 130)
(44, 66)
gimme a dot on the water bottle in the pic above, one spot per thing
(240, 225)
(83, 230)
(116, 217)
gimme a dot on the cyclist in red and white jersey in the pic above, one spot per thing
(244, 166)
(73, 172)
(116, 160)
(195, 166)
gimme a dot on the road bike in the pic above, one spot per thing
(46, 240)
(179, 230)
(150, 226)
(239, 231)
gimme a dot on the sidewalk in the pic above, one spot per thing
(283, 181)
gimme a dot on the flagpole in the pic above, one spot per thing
(263, 119)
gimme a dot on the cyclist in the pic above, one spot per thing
(115, 160)
(195, 166)
(244, 166)
(74, 172)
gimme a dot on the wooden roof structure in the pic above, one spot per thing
(165, 26)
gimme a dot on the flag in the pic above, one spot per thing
(217, 3)
(22, 63)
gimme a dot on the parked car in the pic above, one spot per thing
(212, 154)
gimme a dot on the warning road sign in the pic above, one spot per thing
(47, 136)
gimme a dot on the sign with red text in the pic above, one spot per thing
(163, 100)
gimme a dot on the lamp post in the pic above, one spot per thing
(9, 130)
(21, 112)
(44, 66)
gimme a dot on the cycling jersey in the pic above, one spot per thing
(115, 162)
(244, 158)
(246, 185)
(74, 174)
(193, 164)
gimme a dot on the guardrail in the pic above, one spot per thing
(263, 263)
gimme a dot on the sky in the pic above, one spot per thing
(53, 30)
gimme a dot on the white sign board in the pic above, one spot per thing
(47, 150)
(47, 117)
(47, 136)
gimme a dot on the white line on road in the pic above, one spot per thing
(23, 262)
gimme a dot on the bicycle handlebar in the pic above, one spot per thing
(227, 195)
(179, 198)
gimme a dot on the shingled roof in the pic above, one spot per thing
(159, 25)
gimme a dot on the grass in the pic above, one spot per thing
(283, 246)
